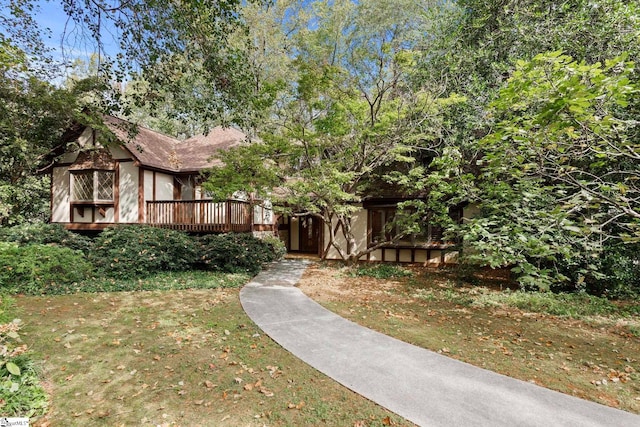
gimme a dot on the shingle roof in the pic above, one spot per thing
(156, 150)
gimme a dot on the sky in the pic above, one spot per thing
(75, 44)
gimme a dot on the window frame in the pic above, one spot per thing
(96, 176)
(430, 237)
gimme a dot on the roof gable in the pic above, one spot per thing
(158, 151)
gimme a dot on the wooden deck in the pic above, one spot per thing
(204, 216)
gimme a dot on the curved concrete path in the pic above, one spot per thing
(422, 386)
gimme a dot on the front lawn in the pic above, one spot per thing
(184, 357)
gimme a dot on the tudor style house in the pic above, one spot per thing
(147, 178)
(150, 178)
(307, 234)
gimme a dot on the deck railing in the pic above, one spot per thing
(200, 215)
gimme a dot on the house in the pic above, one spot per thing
(308, 234)
(146, 178)
(150, 178)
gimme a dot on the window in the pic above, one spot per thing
(381, 229)
(92, 186)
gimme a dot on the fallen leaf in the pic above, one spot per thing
(266, 392)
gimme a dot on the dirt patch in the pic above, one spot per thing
(594, 358)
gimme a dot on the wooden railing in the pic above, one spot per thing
(200, 215)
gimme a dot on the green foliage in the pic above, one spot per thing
(277, 246)
(43, 233)
(6, 308)
(39, 269)
(379, 271)
(620, 272)
(139, 251)
(237, 253)
(574, 305)
(558, 172)
(163, 281)
(21, 394)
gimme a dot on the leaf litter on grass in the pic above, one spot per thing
(187, 357)
(594, 357)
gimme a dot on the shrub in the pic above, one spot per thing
(137, 251)
(614, 272)
(237, 252)
(40, 269)
(621, 269)
(42, 233)
(21, 394)
(277, 246)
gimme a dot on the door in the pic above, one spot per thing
(309, 233)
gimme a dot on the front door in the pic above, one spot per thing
(309, 233)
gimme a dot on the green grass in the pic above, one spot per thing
(568, 305)
(379, 271)
(177, 357)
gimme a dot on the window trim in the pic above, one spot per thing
(409, 241)
(95, 201)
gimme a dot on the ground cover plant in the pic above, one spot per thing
(183, 357)
(573, 343)
(21, 393)
(37, 268)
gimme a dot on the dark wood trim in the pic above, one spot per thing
(153, 196)
(116, 193)
(262, 227)
(88, 226)
(177, 189)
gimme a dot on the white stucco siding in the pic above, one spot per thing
(60, 192)
(90, 215)
(128, 191)
(86, 139)
(469, 212)
(148, 185)
(164, 187)
(119, 153)
(359, 227)
(263, 214)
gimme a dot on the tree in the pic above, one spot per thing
(33, 115)
(532, 137)
(341, 119)
(561, 170)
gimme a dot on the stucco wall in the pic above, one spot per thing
(359, 225)
(128, 192)
(164, 187)
(60, 194)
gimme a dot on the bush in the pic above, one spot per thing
(237, 252)
(138, 251)
(42, 233)
(40, 269)
(621, 269)
(613, 273)
(21, 394)
(277, 246)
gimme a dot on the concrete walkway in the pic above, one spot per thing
(422, 386)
